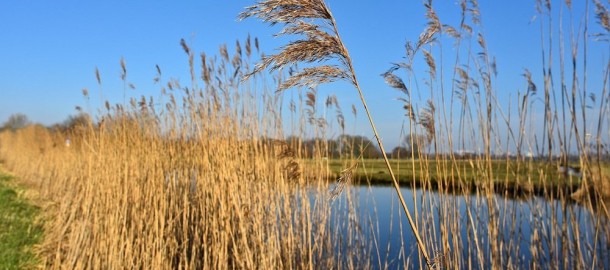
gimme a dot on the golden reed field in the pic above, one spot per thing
(204, 175)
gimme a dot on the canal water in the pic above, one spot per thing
(529, 230)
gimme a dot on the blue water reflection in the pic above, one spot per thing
(528, 230)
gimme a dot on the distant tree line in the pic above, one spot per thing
(15, 122)
(413, 146)
(71, 124)
(345, 146)
(355, 146)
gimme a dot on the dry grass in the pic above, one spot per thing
(201, 177)
(321, 43)
(189, 184)
(485, 122)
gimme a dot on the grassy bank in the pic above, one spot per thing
(509, 175)
(466, 170)
(19, 230)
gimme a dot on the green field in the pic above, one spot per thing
(535, 175)
(19, 229)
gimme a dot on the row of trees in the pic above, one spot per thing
(15, 122)
(19, 120)
(343, 146)
(358, 146)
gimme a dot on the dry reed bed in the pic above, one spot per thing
(463, 109)
(141, 202)
(190, 184)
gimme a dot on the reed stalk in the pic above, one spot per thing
(318, 45)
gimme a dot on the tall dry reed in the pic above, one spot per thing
(202, 176)
(481, 120)
(194, 178)
(321, 42)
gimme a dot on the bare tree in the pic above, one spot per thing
(416, 144)
(15, 121)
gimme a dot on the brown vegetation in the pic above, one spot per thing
(202, 176)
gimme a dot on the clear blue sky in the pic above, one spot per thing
(50, 49)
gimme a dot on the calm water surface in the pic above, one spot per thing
(383, 227)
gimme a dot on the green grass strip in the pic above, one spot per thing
(19, 230)
(469, 171)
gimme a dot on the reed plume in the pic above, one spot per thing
(320, 43)
(603, 16)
